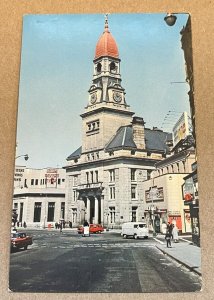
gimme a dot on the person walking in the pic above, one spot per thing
(175, 233)
(60, 227)
(168, 237)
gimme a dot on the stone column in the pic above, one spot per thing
(88, 210)
(96, 208)
(102, 209)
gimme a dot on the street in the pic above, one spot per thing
(68, 262)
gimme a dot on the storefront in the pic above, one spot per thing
(190, 196)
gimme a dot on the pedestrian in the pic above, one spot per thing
(175, 233)
(70, 224)
(60, 227)
(85, 224)
(168, 237)
(56, 225)
(17, 223)
(169, 227)
(24, 224)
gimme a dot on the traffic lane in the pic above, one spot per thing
(99, 269)
(77, 270)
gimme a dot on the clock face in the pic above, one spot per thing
(93, 98)
(117, 97)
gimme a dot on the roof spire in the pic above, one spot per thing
(106, 22)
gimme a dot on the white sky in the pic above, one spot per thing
(56, 73)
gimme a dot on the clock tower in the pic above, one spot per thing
(107, 109)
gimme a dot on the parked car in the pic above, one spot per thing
(20, 240)
(135, 230)
(93, 228)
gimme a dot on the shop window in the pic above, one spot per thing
(21, 211)
(51, 209)
(37, 211)
(63, 210)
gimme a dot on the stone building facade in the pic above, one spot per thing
(105, 176)
(39, 196)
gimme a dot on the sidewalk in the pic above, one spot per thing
(185, 253)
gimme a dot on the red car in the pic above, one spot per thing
(93, 228)
(20, 240)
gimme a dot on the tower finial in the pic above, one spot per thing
(106, 22)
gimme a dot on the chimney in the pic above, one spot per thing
(138, 132)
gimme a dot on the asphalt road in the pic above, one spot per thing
(104, 262)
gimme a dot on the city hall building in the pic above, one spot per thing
(105, 176)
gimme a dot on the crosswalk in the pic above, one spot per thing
(95, 245)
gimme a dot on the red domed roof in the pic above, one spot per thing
(106, 45)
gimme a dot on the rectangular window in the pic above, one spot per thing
(59, 181)
(133, 172)
(92, 176)
(32, 181)
(134, 214)
(63, 210)
(21, 211)
(96, 174)
(51, 208)
(133, 192)
(112, 192)
(15, 205)
(37, 211)
(87, 177)
(75, 180)
(112, 175)
(112, 214)
(75, 195)
(40, 181)
(36, 181)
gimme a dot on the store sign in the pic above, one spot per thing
(154, 194)
(181, 128)
(51, 176)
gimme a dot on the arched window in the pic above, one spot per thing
(112, 66)
(99, 67)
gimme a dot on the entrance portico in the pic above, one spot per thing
(93, 203)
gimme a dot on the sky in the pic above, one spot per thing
(57, 69)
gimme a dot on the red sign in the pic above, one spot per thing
(188, 197)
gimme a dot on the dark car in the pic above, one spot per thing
(93, 228)
(20, 240)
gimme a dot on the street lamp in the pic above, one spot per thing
(170, 19)
(26, 157)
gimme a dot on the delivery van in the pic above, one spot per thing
(135, 230)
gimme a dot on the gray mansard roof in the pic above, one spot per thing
(156, 141)
(75, 154)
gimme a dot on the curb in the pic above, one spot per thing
(192, 269)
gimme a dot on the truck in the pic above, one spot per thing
(135, 230)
